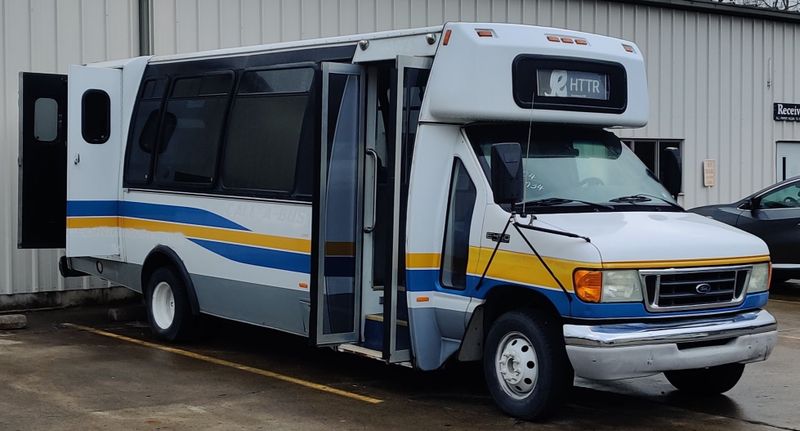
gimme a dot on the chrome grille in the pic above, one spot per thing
(694, 288)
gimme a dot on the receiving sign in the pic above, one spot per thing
(786, 112)
(571, 83)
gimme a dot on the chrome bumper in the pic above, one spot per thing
(618, 351)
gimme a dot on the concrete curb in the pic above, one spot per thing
(13, 321)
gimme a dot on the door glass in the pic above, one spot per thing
(45, 119)
(786, 197)
(341, 205)
(457, 227)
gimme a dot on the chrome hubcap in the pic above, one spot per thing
(162, 305)
(516, 365)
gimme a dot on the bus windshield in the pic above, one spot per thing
(574, 168)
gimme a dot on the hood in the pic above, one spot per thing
(658, 236)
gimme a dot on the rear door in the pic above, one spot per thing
(93, 160)
(42, 160)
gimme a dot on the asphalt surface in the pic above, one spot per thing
(54, 376)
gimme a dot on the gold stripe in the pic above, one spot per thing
(423, 260)
(687, 262)
(230, 364)
(91, 222)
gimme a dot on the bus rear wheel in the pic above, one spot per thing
(168, 309)
(706, 381)
(526, 366)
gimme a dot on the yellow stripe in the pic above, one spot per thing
(193, 231)
(686, 263)
(225, 363)
(91, 222)
(422, 260)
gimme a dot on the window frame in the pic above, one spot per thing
(454, 166)
(189, 186)
(314, 106)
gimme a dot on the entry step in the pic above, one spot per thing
(373, 333)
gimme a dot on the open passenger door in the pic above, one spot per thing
(337, 239)
(408, 92)
(94, 151)
(42, 160)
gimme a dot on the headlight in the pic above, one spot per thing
(621, 286)
(759, 278)
(608, 286)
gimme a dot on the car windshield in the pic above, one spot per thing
(575, 168)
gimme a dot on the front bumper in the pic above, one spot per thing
(619, 351)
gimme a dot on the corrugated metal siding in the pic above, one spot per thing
(48, 36)
(707, 73)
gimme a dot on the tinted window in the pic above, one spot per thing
(95, 116)
(45, 119)
(271, 132)
(144, 132)
(456, 236)
(191, 130)
(785, 197)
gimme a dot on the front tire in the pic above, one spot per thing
(706, 381)
(526, 366)
(168, 309)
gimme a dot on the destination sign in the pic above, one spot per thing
(571, 83)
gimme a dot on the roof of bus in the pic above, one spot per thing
(300, 44)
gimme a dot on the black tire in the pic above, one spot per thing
(183, 322)
(542, 396)
(706, 381)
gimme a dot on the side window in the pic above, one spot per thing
(785, 197)
(191, 129)
(456, 231)
(269, 146)
(95, 116)
(144, 132)
(45, 119)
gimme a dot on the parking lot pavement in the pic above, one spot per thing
(54, 376)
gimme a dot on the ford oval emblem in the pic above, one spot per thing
(703, 288)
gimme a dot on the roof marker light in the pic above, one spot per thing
(581, 41)
(628, 48)
(446, 38)
(552, 38)
(567, 39)
(484, 32)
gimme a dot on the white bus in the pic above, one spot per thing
(417, 196)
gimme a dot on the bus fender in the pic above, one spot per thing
(162, 255)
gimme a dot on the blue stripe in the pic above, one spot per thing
(425, 280)
(160, 212)
(287, 261)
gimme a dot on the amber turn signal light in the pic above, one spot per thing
(588, 285)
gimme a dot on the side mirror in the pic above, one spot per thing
(507, 177)
(671, 174)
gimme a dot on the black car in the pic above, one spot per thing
(772, 214)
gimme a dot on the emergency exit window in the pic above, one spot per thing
(45, 119)
(95, 116)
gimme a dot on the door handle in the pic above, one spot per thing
(371, 153)
(77, 158)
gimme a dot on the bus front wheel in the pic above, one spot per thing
(168, 309)
(526, 366)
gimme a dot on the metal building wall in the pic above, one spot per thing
(48, 36)
(708, 74)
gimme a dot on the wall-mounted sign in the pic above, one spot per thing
(786, 111)
(709, 172)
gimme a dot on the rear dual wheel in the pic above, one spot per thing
(526, 366)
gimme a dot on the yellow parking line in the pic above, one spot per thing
(224, 363)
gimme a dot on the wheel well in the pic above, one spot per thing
(501, 299)
(162, 256)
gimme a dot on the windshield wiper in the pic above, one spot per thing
(549, 202)
(642, 197)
